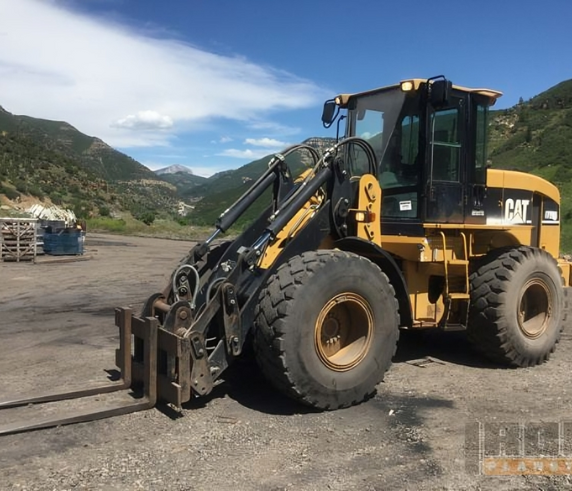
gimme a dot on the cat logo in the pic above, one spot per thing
(515, 210)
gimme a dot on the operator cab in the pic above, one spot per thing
(429, 138)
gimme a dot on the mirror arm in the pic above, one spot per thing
(341, 118)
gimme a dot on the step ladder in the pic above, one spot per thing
(456, 288)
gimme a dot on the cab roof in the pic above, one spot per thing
(493, 95)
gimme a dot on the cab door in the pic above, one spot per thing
(446, 141)
(476, 181)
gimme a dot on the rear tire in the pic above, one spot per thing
(326, 328)
(517, 306)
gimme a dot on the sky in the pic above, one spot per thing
(215, 84)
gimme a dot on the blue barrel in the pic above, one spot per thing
(67, 242)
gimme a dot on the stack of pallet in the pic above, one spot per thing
(17, 239)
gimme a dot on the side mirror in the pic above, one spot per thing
(328, 114)
(439, 92)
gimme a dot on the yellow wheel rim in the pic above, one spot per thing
(344, 331)
(535, 309)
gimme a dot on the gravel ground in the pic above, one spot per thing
(57, 329)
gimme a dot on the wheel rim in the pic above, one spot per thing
(535, 308)
(344, 331)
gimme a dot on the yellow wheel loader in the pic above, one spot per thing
(401, 224)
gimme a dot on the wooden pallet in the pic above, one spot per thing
(17, 239)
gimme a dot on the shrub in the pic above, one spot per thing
(22, 187)
(147, 217)
(106, 224)
(10, 193)
(81, 208)
(56, 198)
(36, 191)
(143, 214)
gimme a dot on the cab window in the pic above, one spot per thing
(445, 145)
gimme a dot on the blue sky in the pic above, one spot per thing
(214, 84)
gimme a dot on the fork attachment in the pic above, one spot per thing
(137, 371)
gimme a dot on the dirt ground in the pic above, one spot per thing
(57, 329)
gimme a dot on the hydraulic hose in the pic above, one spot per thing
(197, 281)
(367, 148)
(316, 179)
(230, 215)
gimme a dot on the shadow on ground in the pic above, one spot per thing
(450, 347)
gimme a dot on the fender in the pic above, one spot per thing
(388, 265)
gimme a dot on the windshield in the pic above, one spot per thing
(389, 121)
(374, 118)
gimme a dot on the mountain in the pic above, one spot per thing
(52, 159)
(174, 169)
(184, 182)
(92, 153)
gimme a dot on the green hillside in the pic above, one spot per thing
(185, 182)
(29, 168)
(52, 160)
(91, 153)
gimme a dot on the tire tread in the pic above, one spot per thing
(271, 315)
(488, 329)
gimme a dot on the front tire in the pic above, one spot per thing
(326, 328)
(517, 306)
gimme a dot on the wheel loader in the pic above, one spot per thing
(400, 225)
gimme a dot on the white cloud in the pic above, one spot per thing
(265, 142)
(223, 139)
(265, 146)
(244, 154)
(273, 127)
(145, 120)
(101, 77)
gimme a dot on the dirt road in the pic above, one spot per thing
(57, 329)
